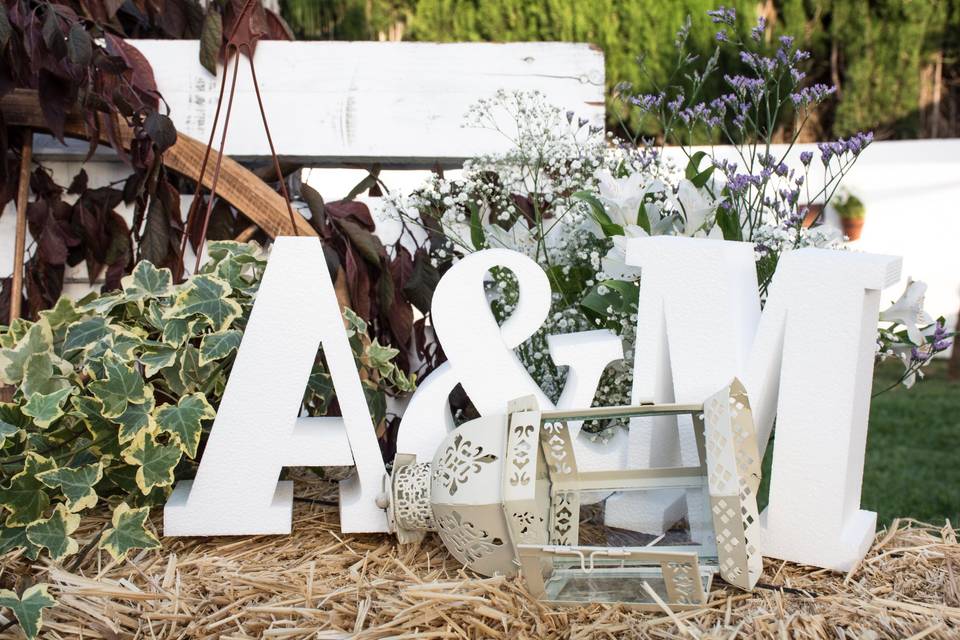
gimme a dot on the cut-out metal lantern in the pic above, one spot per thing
(505, 495)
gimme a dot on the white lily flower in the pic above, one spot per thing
(614, 264)
(696, 205)
(518, 238)
(622, 197)
(908, 311)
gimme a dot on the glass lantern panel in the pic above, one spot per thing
(662, 517)
(610, 585)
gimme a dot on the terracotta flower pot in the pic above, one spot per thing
(852, 227)
(813, 212)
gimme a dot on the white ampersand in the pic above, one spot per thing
(480, 352)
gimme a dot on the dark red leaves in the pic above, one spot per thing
(57, 97)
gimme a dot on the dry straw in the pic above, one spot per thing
(317, 583)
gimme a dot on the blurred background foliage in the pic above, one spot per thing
(896, 62)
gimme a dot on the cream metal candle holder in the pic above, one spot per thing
(505, 495)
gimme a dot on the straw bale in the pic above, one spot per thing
(318, 583)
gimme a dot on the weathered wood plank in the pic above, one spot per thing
(334, 103)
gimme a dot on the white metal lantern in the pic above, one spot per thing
(505, 495)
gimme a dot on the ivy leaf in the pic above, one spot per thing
(62, 314)
(38, 339)
(207, 296)
(135, 418)
(16, 538)
(193, 376)
(183, 420)
(156, 357)
(103, 433)
(53, 533)
(128, 532)
(156, 462)
(121, 386)
(215, 346)
(7, 430)
(84, 333)
(25, 497)
(28, 608)
(76, 483)
(46, 408)
(147, 282)
(176, 330)
(103, 304)
(39, 376)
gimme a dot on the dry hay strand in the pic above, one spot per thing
(320, 584)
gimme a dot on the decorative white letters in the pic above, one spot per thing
(808, 362)
(257, 431)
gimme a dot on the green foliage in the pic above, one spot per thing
(114, 395)
(850, 207)
(28, 608)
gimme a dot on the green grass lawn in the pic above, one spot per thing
(912, 466)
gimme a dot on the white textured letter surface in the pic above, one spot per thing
(807, 361)
(257, 431)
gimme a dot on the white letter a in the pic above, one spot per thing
(257, 431)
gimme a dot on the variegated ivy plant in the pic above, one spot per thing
(114, 393)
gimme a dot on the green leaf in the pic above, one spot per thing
(476, 227)
(693, 165)
(599, 213)
(569, 281)
(40, 376)
(156, 462)
(128, 532)
(207, 296)
(38, 339)
(176, 331)
(220, 344)
(729, 223)
(28, 608)
(63, 313)
(156, 357)
(103, 304)
(46, 408)
(618, 297)
(135, 418)
(183, 420)
(211, 37)
(85, 332)
(147, 282)
(192, 375)
(103, 433)
(16, 538)
(7, 430)
(25, 497)
(121, 386)
(76, 483)
(53, 533)
(643, 219)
